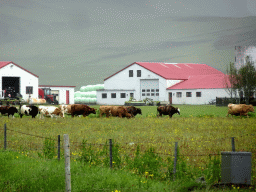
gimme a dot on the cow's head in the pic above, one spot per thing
(139, 111)
(177, 110)
(251, 109)
(93, 110)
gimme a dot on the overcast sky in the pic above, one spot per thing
(82, 42)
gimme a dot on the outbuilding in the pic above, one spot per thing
(176, 83)
(15, 80)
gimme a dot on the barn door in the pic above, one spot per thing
(67, 97)
(170, 97)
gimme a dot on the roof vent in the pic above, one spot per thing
(11, 65)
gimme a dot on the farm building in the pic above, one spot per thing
(63, 94)
(176, 83)
(14, 80)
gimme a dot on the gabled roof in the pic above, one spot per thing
(173, 71)
(4, 63)
(215, 81)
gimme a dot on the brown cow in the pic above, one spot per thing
(133, 110)
(119, 111)
(104, 109)
(168, 110)
(80, 109)
(239, 109)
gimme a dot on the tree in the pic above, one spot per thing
(232, 87)
(246, 78)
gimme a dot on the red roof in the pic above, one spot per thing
(216, 81)
(54, 86)
(175, 70)
(4, 63)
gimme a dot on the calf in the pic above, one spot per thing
(28, 110)
(50, 111)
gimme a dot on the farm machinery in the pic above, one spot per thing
(45, 93)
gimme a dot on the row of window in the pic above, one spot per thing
(188, 94)
(131, 73)
(113, 95)
(148, 94)
(148, 90)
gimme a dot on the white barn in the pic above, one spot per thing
(18, 79)
(176, 83)
(64, 94)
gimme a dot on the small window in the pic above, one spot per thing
(148, 94)
(29, 90)
(130, 73)
(113, 95)
(179, 94)
(148, 90)
(143, 90)
(157, 94)
(122, 95)
(157, 90)
(143, 94)
(131, 95)
(138, 73)
(188, 94)
(152, 94)
(198, 94)
(152, 90)
(104, 95)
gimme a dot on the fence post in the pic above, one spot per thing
(5, 137)
(110, 153)
(58, 147)
(175, 160)
(233, 143)
(67, 162)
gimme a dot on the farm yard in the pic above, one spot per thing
(202, 132)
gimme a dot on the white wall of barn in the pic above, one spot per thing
(122, 80)
(26, 79)
(113, 101)
(206, 96)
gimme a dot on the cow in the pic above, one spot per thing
(133, 110)
(104, 109)
(80, 109)
(65, 109)
(119, 111)
(167, 110)
(9, 110)
(28, 110)
(50, 111)
(239, 109)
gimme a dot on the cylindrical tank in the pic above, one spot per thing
(93, 100)
(83, 100)
(93, 94)
(89, 88)
(78, 94)
(82, 89)
(83, 94)
(78, 100)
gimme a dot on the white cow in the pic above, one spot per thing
(50, 111)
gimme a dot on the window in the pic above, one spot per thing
(148, 94)
(198, 94)
(152, 90)
(113, 95)
(131, 95)
(188, 94)
(143, 94)
(130, 73)
(157, 94)
(104, 95)
(138, 73)
(152, 94)
(157, 90)
(179, 94)
(143, 90)
(29, 90)
(122, 95)
(148, 90)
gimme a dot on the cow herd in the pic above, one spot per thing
(115, 111)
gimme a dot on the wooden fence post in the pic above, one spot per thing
(233, 143)
(67, 162)
(175, 160)
(58, 147)
(110, 153)
(5, 137)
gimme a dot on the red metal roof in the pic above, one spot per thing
(175, 70)
(4, 63)
(216, 81)
(54, 86)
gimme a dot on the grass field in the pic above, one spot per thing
(199, 131)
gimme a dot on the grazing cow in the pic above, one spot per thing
(28, 110)
(168, 110)
(80, 109)
(9, 110)
(239, 109)
(50, 111)
(133, 110)
(104, 109)
(65, 109)
(119, 111)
